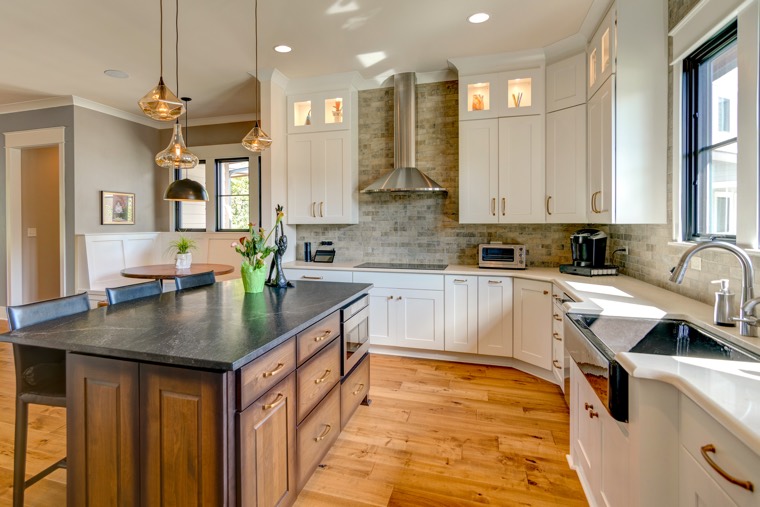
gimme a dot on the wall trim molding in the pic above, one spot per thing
(702, 22)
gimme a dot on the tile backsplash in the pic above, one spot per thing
(423, 227)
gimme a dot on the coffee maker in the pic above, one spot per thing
(589, 249)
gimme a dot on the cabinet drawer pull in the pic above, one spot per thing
(493, 206)
(358, 389)
(546, 292)
(276, 402)
(390, 298)
(503, 206)
(312, 209)
(324, 433)
(548, 199)
(457, 280)
(557, 337)
(594, 207)
(730, 478)
(323, 377)
(557, 365)
(557, 317)
(592, 414)
(322, 209)
(307, 277)
(277, 370)
(494, 282)
(323, 336)
(588, 406)
(399, 298)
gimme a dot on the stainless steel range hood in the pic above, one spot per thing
(405, 177)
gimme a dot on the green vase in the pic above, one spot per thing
(253, 279)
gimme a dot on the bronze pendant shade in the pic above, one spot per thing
(185, 190)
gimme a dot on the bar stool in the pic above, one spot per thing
(125, 293)
(197, 280)
(40, 379)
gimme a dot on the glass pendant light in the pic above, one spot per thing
(160, 103)
(185, 189)
(257, 140)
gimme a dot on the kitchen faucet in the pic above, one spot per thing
(747, 321)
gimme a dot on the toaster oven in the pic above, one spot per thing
(497, 255)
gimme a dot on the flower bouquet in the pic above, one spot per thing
(255, 250)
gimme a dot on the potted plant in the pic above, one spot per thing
(255, 250)
(182, 247)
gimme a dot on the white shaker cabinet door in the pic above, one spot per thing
(382, 317)
(521, 170)
(420, 319)
(533, 322)
(566, 166)
(478, 171)
(495, 316)
(461, 308)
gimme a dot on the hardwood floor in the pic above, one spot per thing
(436, 434)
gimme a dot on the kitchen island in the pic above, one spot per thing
(189, 398)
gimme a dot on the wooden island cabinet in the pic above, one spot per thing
(234, 413)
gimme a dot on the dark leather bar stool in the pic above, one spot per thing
(192, 281)
(40, 379)
(125, 293)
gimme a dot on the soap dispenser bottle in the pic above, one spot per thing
(724, 301)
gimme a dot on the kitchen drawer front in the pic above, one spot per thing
(317, 337)
(697, 430)
(258, 376)
(318, 275)
(316, 435)
(400, 280)
(353, 389)
(316, 377)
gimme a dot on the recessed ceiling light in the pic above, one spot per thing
(480, 17)
(282, 48)
(118, 74)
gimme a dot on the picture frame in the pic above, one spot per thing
(117, 208)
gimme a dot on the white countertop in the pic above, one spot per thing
(727, 390)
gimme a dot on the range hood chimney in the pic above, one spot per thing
(405, 177)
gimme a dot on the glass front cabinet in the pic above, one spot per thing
(318, 112)
(513, 93)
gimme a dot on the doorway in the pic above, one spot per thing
(35, 218)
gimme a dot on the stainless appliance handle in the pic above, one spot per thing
(354, 321)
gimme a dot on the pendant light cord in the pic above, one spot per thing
(176, 46)
(161, 37)
(256, 45)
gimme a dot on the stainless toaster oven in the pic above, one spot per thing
(497, 255)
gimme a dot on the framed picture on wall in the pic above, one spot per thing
(117, 208)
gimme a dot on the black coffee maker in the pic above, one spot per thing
(589, 248)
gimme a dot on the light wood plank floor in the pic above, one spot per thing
(436, 434)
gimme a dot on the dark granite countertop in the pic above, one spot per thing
(218, 327)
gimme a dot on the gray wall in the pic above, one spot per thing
(117, 155)
(30, 120)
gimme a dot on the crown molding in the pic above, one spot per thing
(498, 62)
(32, 105)
(118, 113)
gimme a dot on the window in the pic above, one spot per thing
(710, 138)
(191, 216)
(232, 195)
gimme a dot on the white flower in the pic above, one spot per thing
(234, 244)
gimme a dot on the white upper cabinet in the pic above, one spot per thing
(601, 53)
(566, 165)
(478, 171)
(512, 93)
(566, 83)
(321, 111)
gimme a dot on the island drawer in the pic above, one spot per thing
(316, 435)
(316, 377)
(318, 275)
(317, 336)
(353, 389)
(258, 376)
(707, 440)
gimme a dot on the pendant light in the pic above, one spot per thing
(176, 155)
(186, 189)
(256, 140)
(160, 103)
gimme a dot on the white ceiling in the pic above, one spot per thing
(57, 48)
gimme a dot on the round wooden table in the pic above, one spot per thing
(168, 271)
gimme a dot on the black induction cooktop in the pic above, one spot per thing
(402, 265)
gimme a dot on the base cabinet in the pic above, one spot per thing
(461, 313)
(406, 318)
(533, 323)
(495, 316)
(266, 432)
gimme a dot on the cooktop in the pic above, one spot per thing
(402, 265)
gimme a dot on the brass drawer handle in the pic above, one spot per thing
(592, 414)
(546, 292)
(494, 282)
(323, 336)
(493, 206)
(277, 370)
(312, 209)
(588, 406)
(733, 480)
(503, 206)
(276, 402)
(557, 337)
(324, 377)
(307, 277)
(324, 433)
(322, 209)
(557, 365)
(358, 389)
(557, 317)
(548, 200)
(458, 280)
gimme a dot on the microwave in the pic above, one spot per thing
(496, 255)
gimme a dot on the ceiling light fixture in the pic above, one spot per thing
(282, 48)
(118, 74)
(186, 189)
(480, 17)
(256, 140)
(160, 103)
(176, 155)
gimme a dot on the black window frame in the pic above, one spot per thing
(178, 207)
(217, 164)
(690, 121)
